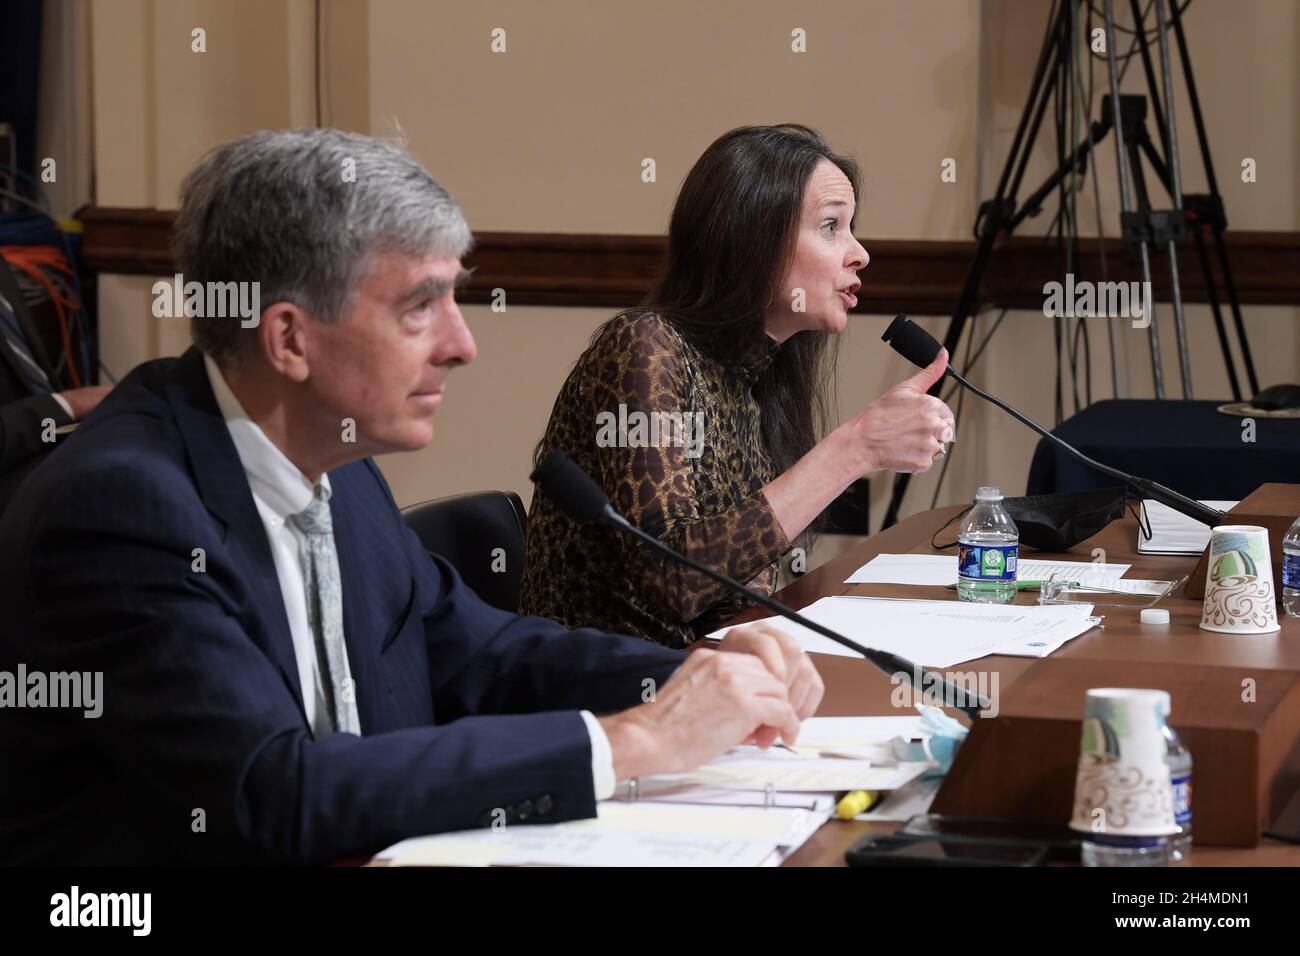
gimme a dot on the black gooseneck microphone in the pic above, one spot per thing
(579, 497)
(920, 348)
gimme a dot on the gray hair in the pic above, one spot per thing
(302, 212)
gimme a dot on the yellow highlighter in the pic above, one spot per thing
(855, 802)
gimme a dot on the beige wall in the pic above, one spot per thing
(550, 136)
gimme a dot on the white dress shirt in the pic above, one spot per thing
(281, 490)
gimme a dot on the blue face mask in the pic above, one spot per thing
(941, 736)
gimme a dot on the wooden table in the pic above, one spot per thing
(854, 687)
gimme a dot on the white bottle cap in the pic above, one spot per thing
(1154, 615)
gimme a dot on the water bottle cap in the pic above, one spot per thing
(988, 493)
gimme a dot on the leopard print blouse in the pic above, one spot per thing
(674, 437)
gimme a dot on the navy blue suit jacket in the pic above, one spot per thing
(202, 752)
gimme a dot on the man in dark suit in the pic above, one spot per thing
(270, 667)
(31, 410)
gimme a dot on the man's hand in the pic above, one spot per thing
(786, 660)
(757, 687)
(711, 703)
(83, 400)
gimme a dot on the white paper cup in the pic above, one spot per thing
(1122, 785)
(1239, 593)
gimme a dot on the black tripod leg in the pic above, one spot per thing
(1212, 292)
(966, 307)
(1194, 99)
(1035, 91)
(1234, 303)
(1176, 192)
(1133, 146)
(1212, 181)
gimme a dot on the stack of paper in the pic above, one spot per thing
(832, 754)
(1090, 575)
(937, 570)
(731, 819)
(643, 833)
(938, 633)
(941, 570)
(1173, 532)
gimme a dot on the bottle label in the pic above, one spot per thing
(987, 562)
(1182, 794)
(1291, 571)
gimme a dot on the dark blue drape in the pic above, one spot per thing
(20, 64)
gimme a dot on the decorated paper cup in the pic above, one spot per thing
(1122, 786)
(1239, 593)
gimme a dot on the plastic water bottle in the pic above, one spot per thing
(1179, 759)
(988, 546)
(1100, 850)
(1291, 570)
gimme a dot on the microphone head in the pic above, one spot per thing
(911, 341)
(571, 488)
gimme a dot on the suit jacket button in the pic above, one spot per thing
(545, 804)
(525, 810)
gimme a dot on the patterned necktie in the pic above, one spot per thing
(37, 381)
(324, 592)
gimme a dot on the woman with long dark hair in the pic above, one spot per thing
(702, 411)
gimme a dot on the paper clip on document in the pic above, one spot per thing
(1052, 591)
